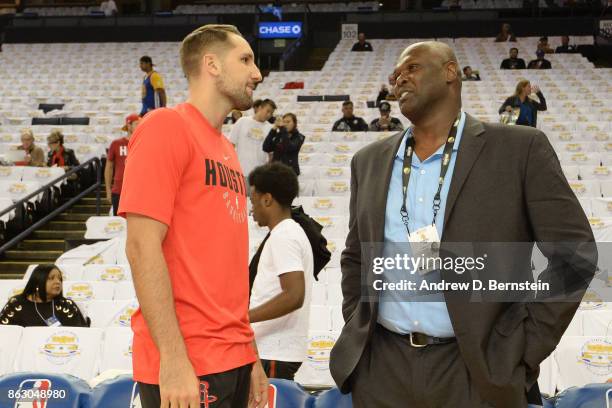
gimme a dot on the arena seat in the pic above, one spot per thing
(287, 394)
(117, 349)
(111, 273)
(85, 291)
(105, 227)
(589, 396)
(582, 360)
(110, 313)
(65, 350)
(121, 391)
(51, 389)
(333, 398)
(125, 291)
(10, 337)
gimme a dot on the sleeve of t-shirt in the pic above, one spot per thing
(156, 81)
(111, 152)
(159, 153)
(286, 254)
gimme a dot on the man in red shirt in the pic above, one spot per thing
(185, 199)
(115, 162)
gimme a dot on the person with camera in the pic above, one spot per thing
(284, 141)
(522, 107)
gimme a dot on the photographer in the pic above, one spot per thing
(285, 141)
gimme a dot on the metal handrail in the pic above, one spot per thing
(96, 186)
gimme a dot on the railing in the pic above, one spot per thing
(96, 186)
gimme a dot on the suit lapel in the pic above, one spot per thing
(470, 147)
(380, 187)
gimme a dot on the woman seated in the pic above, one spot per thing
(59, 155)
(42, 303)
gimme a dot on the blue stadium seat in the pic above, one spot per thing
(117, 392)
(45, 389)
(548, 403)
(333, 399)
(287, 394)
(589, 396)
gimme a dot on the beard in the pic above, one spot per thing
(237, 94)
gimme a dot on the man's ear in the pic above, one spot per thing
(268, 199)
(211, 64)
(452, 72)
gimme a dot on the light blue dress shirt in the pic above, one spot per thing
(395, 312)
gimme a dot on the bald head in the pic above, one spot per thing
(434, 50)
(427, 76)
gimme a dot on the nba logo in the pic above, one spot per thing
(272, 396)
(35, 387)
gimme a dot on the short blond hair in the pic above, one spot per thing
(201, 40)
(28, 133)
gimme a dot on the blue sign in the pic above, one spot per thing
(285, 29)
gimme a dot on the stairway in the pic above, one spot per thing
(48, 242)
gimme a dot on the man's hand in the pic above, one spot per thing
(109, 197)
(179, 387)
(508, 108)
(258, 395)
(27, 159)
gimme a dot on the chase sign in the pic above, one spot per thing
(284, 29)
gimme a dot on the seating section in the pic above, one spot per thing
(577, 123)
(43, 389)
(121, 391)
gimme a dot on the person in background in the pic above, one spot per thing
(385, 123)
(469, 74)
(285, 141)
(280, 300)
(540, 62)
(249, 133)
(60, 156)
(233, 118)
(349, 122)
(109, 8)
(382, 95)
(115, 162)
(34, 155)
(544, 46)
(362, 44)
(505, 34)
(153, 91)
(565, 47)
(528, 107)
(256, 105)
(42, 303)
(514, 62)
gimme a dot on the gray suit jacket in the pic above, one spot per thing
(507, 186)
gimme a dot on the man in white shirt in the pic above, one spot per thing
(280, 299)
(248, 135)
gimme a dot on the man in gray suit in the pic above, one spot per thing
(479, 183)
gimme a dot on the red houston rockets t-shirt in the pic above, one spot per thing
(184, 173)
(117, 153)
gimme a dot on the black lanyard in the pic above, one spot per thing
(446, 158)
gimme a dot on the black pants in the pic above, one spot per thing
(115, 201)
(392, 374)
(229, 389)
(280, 369)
